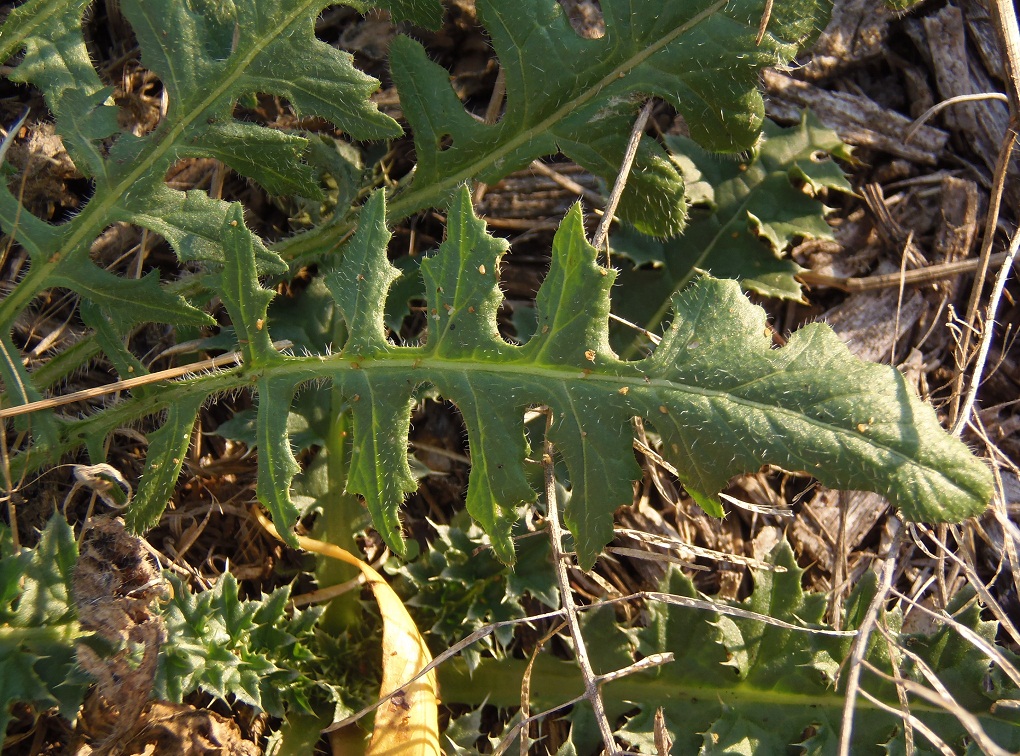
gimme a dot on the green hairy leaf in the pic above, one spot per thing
(720, 397)
(168, 447)
(746, 684)
(742, 685)
(207, 56)
(701, 57)
(339, 401)
(245, 300)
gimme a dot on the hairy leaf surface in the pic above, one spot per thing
(168, 447)
(207, 55)
(723, 401)
(701, 57)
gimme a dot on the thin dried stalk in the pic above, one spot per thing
(592, 691)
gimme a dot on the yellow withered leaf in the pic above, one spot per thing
(408, 723)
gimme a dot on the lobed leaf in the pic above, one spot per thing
(168, 447)
(742, 685)
(723, 401)
(207, 55)
(130, 301)
(277, 465)
(110, 335)
(246, 300)
(361, 283)
(564, 92)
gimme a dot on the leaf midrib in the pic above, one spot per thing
(556, 679)
(419, 365)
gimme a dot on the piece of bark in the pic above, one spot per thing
(857, 32)
(525, 195)
(915, 80)
(816, 533)
(957, 228)
(958, 220)
(863, 321)
(981, 124)
(982, 33)
(858, 120)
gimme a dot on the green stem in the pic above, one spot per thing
(342, 514)
(65, 633)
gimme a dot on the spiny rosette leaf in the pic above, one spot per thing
(565, 92)
(38, 623)
(742, 685)
(723, 401)
(254, 650)
(762, 676)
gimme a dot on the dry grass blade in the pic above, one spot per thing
(591, 685)
(977, 372)
(939, 107)
(526, 685)
(915, 277)
(621, 178)
(696, 551)
(1003, 14)
(860, 646)
(732, 611)
(183, 371)
(974, 579)
(944, 700)
(915, 723)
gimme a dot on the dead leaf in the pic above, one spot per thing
(408, 723)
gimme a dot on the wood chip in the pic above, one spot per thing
(816, 533)
(981, 32)
(857, 31)
(982, 124)
(865, 321)
(858, 120)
